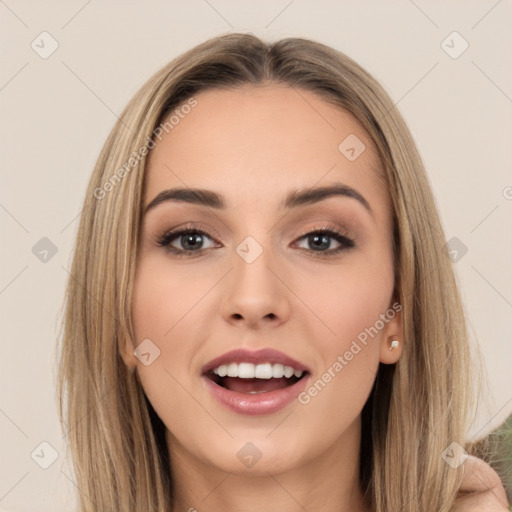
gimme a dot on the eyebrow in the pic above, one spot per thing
(294, 199)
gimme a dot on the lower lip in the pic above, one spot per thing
(258, 403)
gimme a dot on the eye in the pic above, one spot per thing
(319, 241)
(188, 240)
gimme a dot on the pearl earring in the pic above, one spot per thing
(394, 344)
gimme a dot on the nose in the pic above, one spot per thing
(256, 295)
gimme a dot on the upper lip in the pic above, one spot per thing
(265, 355)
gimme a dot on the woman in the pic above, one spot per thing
(261, 313)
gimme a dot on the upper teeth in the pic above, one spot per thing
(259, 371)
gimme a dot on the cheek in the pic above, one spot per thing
(164, 299)
(349, 298)
(166, 308)
(163, 304)
(352, 304)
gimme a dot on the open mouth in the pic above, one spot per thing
(254, 385)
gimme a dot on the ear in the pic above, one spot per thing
(127, 352)
(393, 332)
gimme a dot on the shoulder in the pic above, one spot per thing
(481, 488)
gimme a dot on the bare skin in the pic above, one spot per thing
(481, 489)
(253, 146)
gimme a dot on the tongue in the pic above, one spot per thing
(246, 385)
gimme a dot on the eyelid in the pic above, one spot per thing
(348, 241)
(325, 227)
(211, 232)
(190, 226)
(339, 234)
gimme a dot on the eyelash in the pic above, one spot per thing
(344, 241)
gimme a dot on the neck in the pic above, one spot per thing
(328, 482)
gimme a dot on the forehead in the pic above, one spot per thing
(258, 142)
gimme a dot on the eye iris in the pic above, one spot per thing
(320, 241)
(191, 240)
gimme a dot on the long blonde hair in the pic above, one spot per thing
(417, 407)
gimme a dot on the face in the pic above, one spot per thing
(267, 281)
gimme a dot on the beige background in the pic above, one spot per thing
(56, 113)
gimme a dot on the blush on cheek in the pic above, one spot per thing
(161, 299)
(350, 351)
